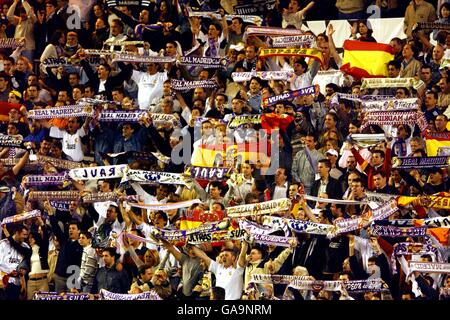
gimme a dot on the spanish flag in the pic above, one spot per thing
(436, 140)
(5, 107)
(205, 155)
(366, 59)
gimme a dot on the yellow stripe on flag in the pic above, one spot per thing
(374, 62)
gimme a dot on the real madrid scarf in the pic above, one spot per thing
(382, 212)
(269, 31)
(21, 217)
(205, 62)
(152, 177)
(42, 295)
(54, 195)
(420, 162)
(11, 141)
(272, 206)
(268, 239)
(298, 226)
(391, 105)
(372, 83)
(45, 180)
(180, 85)
(395, 118)
(62, 112)
(429, 267)
(300, 41)
(149, 295)
(215, 236)
(57, 163)
(129, 57)
(166, 206)
(263, 75)
(307, 53)
(396, 232)
(10, 43)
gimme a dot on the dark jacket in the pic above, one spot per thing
(112, 280)
(311, 255)
(333, 190)
(272, 189)
(112, 81)
(70, 252)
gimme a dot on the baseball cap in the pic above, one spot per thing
(333, 152)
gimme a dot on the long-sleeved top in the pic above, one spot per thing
(410, 69)
(302, 170)
(111, 82)
(112, 280)
(369, 170)
(89, 265)
(262, 267)
(424, 12)
(70, 252)
(11, 255)
(24, 29)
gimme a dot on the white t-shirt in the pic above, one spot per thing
(101, 86)
(231, 279)
(299, 82)
(71, 142)
(294, 19)
(150, 87)
(10, 258)
(280, 192)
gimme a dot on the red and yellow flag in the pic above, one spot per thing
(435, 141)
(366, 59)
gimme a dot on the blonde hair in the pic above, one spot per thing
(26, 62)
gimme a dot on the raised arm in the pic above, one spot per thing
(22, 162)
(177, 254)
(242, 254)
(10, 14)
(308, 211)
(307, 8)
(29, 10)
(333, 51)
(202, 255)
(125, 215)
